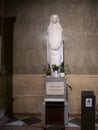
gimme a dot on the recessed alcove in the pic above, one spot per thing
(78, 19)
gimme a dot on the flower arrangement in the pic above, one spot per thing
(65, 69)
(55, 67)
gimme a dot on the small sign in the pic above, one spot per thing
(88, 102)
(55, 88)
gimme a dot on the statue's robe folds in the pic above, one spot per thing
(54, 43)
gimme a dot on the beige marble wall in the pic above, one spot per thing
(28, 91)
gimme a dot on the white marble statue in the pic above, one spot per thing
(55, 41)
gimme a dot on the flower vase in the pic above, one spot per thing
(55, 74)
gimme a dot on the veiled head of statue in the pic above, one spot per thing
(54, 19)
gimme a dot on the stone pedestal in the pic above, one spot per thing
(55, 106)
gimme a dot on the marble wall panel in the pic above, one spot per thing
(27, 85)
(28, 92)
(79, 19)
(81, 54)
(82, 82)
(27, 104)
(18, 105)
(36, 104)
(73, 107)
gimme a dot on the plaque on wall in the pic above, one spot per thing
(55, 88)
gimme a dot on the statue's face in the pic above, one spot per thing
(54, 19)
